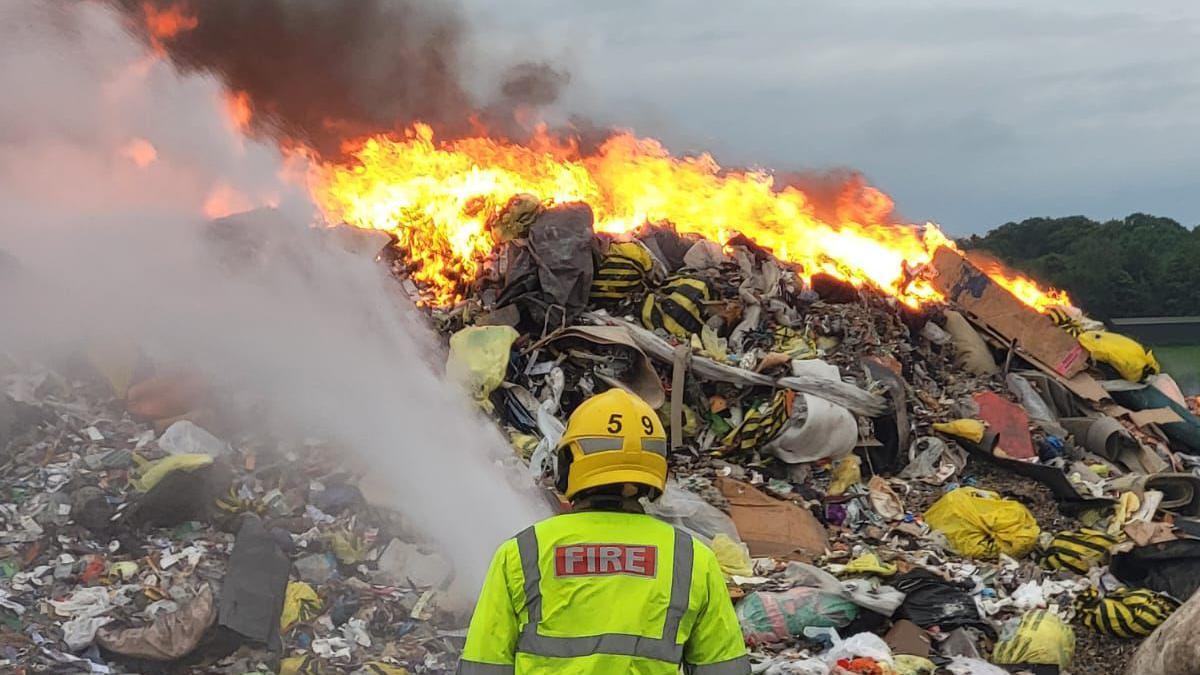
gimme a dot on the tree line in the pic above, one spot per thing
(1142, 265)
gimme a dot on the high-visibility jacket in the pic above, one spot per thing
(601, 592)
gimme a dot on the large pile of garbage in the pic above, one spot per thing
(973, 487)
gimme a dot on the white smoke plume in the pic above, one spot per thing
(108, 160)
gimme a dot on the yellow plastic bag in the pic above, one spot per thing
(348, 548)
(300, 603)
(907, 664)
(971, 430)
(980, 524)
(1127, 505)
(153, 472)
(869, 563)
(732, 556)
(1130, 359)
(302, 665)
(479, 358)
(846, 472)
(381, 668)
(1041, 639)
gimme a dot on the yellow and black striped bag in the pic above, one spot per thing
(1078, 551)
(623, 275)
(1125, 612)
(759, 425)
(1041, 638)
(678, 307)
(1063, 319)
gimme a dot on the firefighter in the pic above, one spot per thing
(606, 588)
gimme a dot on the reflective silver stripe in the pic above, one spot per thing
(655, 445)
(527, 545)
(738, 666)
(681, 585)
(590, 445)
(466, 667)
(662, 649)
(609, 643)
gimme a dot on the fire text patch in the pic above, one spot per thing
(589, 560)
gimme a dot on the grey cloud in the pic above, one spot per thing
(968, 114)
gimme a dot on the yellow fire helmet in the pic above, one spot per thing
(612, 438)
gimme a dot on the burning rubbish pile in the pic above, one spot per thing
(906, 460)
(970, 476)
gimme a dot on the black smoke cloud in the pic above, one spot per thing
(322, 72)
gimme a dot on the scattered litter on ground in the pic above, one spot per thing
(889, 490)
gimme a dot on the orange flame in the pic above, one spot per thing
(437, 198)
(1025, 289)
(239, 110)
(166, 24)
(140, 151)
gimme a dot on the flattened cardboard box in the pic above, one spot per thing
(967, 286)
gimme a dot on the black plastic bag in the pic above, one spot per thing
(932, 601)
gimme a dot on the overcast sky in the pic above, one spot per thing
(968, 112)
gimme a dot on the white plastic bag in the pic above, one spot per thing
(689, 511)
(866, 645)
(186, 438)
(542, 459)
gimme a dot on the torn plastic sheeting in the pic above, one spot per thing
(645, 382)
(1037, 408)
(479, 357)
(933, 460)
(80, 632)
(892, 429)
(172, 636)
(689, 511)
(554, 266)
(254, 584)
(827, 431)
(840, 393)
(87, 607)
(542, 460)
(1010, 421)
(865, 593)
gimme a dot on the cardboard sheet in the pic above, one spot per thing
(772, 527)
(1035, 334)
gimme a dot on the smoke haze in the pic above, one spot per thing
(322, 72)
(107, 161)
